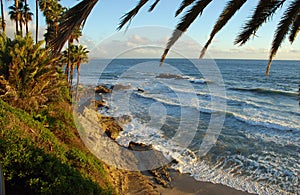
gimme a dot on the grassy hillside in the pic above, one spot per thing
(44, 154)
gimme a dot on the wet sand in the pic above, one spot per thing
(183, 184)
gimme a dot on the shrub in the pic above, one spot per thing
(28, 76)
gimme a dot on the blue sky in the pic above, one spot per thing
(105, 17)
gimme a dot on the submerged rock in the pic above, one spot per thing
(169, 76)
(119, 87)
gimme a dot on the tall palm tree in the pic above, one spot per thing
(75, 56)
(2, 16)
(81, 57)
(17, 15)
(26, 15)
(52, 11)
(14, 14)
(36, 21)
(22, 15)
(289, 23)
(74, 36)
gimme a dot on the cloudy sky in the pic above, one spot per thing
(101, 37)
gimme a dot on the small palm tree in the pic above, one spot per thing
(28, 78)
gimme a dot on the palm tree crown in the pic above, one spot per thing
(21, 15)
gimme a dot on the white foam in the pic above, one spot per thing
(189, 162)
(201, 171)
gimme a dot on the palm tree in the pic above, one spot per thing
(17, 15)
(22, 15)
(288, 25)
(74, 36)
(26, 15)
(27, 76)
(52, 11)
(14, 14)
(2, 16)
(75, 56)
(81, 57)
(36, 21)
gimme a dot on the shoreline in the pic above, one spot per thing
(186, 185)
(163, 181)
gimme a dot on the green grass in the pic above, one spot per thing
(43, 155)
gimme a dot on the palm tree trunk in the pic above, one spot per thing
(2, 16)
(26, 19)
(17, 15)
(21, 28)
(78, 77)
(36, 20)
(71, 78)
(67, 71)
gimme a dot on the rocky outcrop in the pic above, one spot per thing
(110, 126)
(125, 182)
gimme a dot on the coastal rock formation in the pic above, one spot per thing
(126, 182)
(110, 126)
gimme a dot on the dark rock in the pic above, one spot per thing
(169, 76)
(141, 90)
(102, 89)
(162, 176)
(139, 146)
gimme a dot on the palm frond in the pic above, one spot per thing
(184, 24)
(128, 16)
(263, 11)
(231, 8)
(72, 19)
(283, 28)
(153, 6)
(183, 5)
(295, 28)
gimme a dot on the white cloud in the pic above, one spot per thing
(145, 42)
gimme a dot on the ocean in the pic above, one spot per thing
(177, 107)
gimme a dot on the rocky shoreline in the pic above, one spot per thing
(161, 180)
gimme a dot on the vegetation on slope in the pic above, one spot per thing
(40, 149)
(35, 161)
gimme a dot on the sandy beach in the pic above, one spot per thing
(183, 184)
